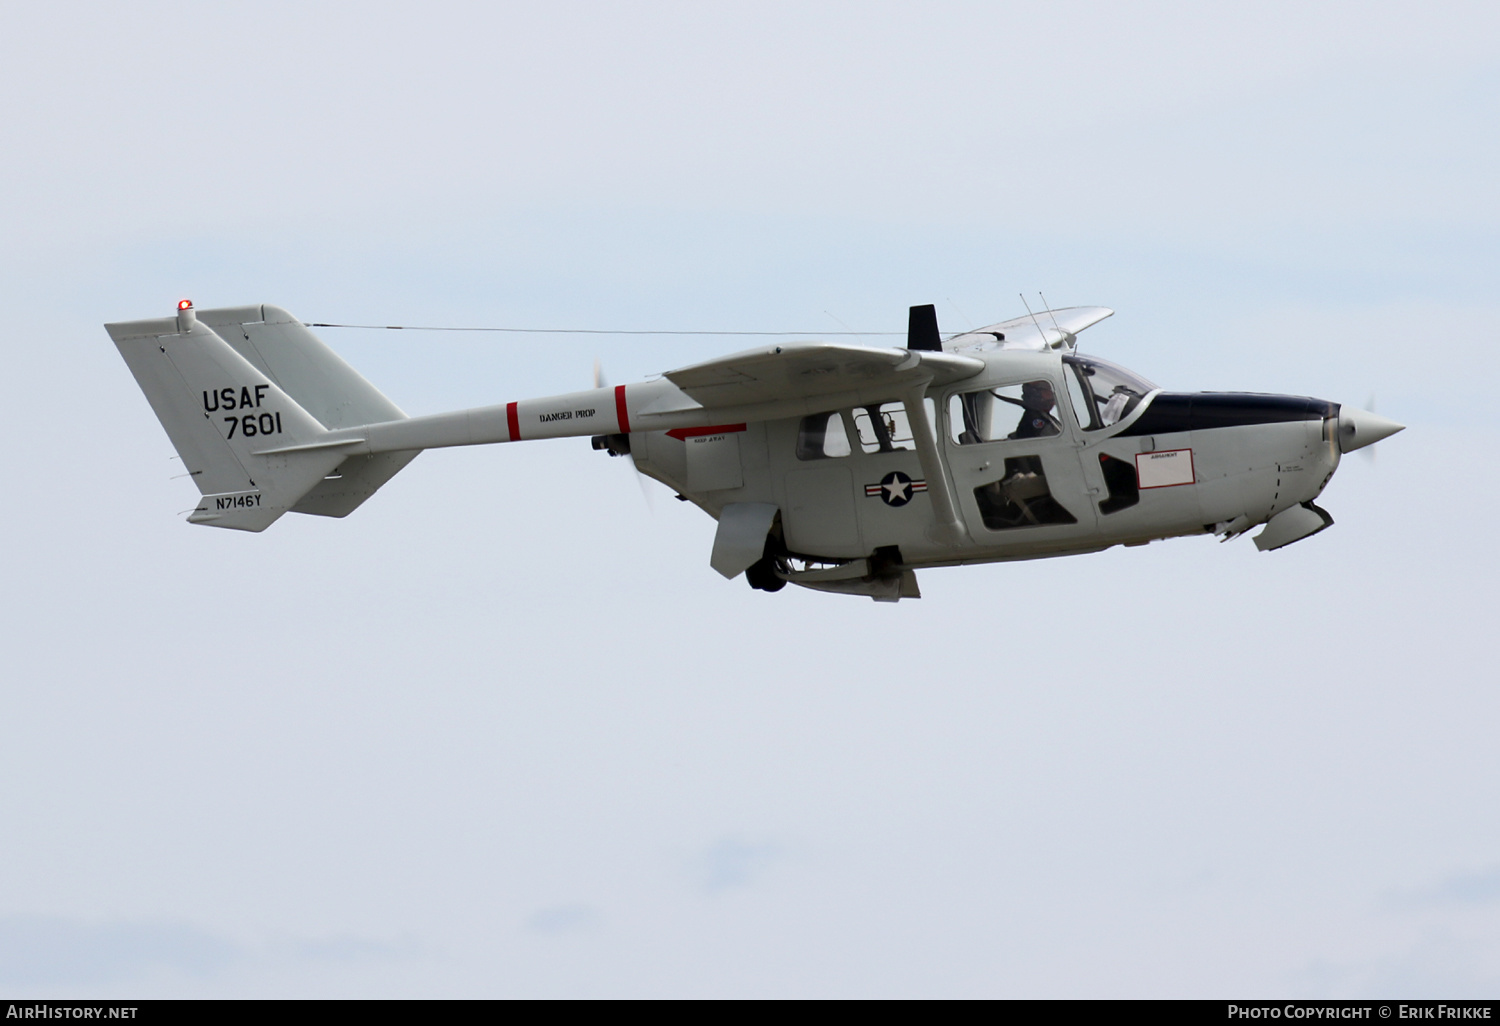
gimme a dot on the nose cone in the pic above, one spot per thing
(1359, 428)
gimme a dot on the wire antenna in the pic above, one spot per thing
(963, 315)
(583, 331)
(840, 321)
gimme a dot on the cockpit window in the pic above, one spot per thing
(1023, 410)
(1110, 392)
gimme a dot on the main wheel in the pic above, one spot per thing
(762, 575)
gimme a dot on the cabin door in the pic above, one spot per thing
(1016, 466)
(811, 458)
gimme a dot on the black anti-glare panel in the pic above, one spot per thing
(1171, 412)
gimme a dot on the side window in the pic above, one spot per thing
(822, 436)
(1023, 410)
(883, 428)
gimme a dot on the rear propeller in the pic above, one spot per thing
(619, 444)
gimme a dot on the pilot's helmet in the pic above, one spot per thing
(1037, 394)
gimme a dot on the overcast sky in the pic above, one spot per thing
(503, 732)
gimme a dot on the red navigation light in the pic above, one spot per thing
(184, 304)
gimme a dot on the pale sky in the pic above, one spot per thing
(503, 732)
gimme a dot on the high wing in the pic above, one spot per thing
(802, 371)
(1022, 332)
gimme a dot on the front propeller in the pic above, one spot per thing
(1358, 428)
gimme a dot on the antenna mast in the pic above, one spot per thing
(1069, 339)
(1039, 329)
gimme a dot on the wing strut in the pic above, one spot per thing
(924, 433)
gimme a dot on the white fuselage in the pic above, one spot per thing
(1138, 479)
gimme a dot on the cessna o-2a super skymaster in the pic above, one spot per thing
(836, 467)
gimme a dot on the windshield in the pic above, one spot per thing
(1104, 393)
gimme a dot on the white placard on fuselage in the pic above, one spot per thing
(1164, 469)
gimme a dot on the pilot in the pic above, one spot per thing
(1036, 420)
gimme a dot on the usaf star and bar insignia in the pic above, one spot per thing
(895, 489)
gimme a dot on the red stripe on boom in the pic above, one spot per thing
(513, 422)
(721, 429)
(621, 414)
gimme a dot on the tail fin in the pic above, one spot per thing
(277, 345)
(252, 450)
